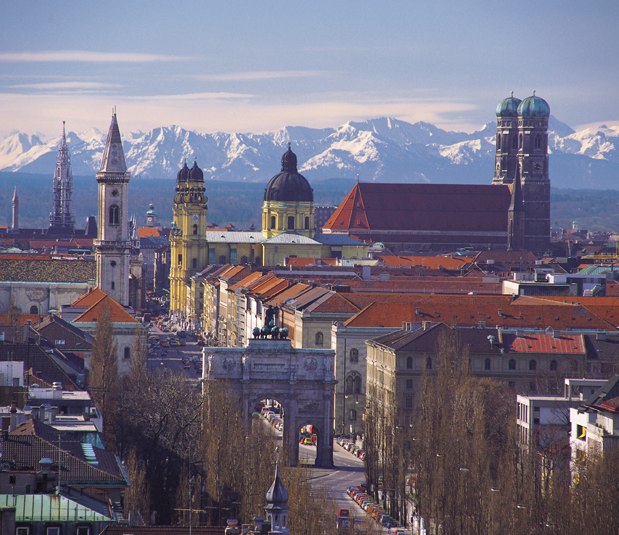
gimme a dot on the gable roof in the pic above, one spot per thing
(381, 207)
(95, 302)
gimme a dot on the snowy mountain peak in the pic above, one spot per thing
(380, 149)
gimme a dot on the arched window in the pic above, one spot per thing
(512, 364)
(34, 309)
(195, 229)
(290, 221)
(319, 339)
(194, 263)
(353, 383)
(532, 365)
(409, 363)
(127, 354)
(428, 363)
(538, 141)
(354, 355)
(273, 221)
(498, 141)
(114, 215)
(306, 223)
(113, 285)
(487, 364)
(519, 141)
(553, 365)
(514, 142)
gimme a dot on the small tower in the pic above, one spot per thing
(15, 210)
(113, 245)
(533, 114)
(277, 503)
(152, 220)
(188, 246)
(288, 202)
(506, 158)
(61, 218)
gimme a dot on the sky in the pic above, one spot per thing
(255, 66)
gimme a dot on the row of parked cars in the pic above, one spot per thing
(364, 500)
(274, 418)
(349, 445)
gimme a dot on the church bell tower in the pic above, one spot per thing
(188, 246)
(113, 245)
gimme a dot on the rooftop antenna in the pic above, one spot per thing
(534, 92)
(512, 94)
(357, 178)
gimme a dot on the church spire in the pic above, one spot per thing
(61, 218)
(15, 210)
(113, 156)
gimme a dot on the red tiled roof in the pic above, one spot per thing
(547, 343)
(95, 301)
(376, 207)
(246, 281)
(431, 262)
(149, 232)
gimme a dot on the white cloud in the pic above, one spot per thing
(257, 75)
(65, 85)
(85, 56)
(208, 112)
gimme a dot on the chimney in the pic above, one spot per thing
(13, 418)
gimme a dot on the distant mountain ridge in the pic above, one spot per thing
(383, 150)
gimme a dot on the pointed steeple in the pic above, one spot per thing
(61, 217)
(15, 210)
(113, 155)
(277, 503)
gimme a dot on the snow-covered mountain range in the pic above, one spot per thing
(383, 149)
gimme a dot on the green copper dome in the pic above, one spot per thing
(508, 107)
(534, 107)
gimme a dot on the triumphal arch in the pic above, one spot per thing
(302, 380)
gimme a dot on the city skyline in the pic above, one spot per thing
(211, 66)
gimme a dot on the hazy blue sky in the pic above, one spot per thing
(259, 65)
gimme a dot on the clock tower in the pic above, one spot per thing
(188, 246)
(113, 245)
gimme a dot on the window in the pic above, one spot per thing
(352, 416)
(53, 531)
(306, 223)
(244, 260)
(353, 383)
(514, 142)
(114, 215)
(532, 365)
(222, 259)
(428, 363)
(233, 256)
(82, 530)
(22, 531)
(127, 354)
(498, 141)
(290, 221)
(512, 364)
(212, 255)
(273, 221)
(409, 363)
(409, 384)
(409, 401)
(538, 141)
(195, 230)
(553, 365)
(194, 263)
(34, 309)
(59, 342)
(113, 285)
(318, 339)
(354, 355)
(519, 141)
(180, 260)
(487, 364)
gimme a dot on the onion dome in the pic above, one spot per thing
(289, 184)
(534, 106)
(508, 107)
(196, 174)
(183, 174)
